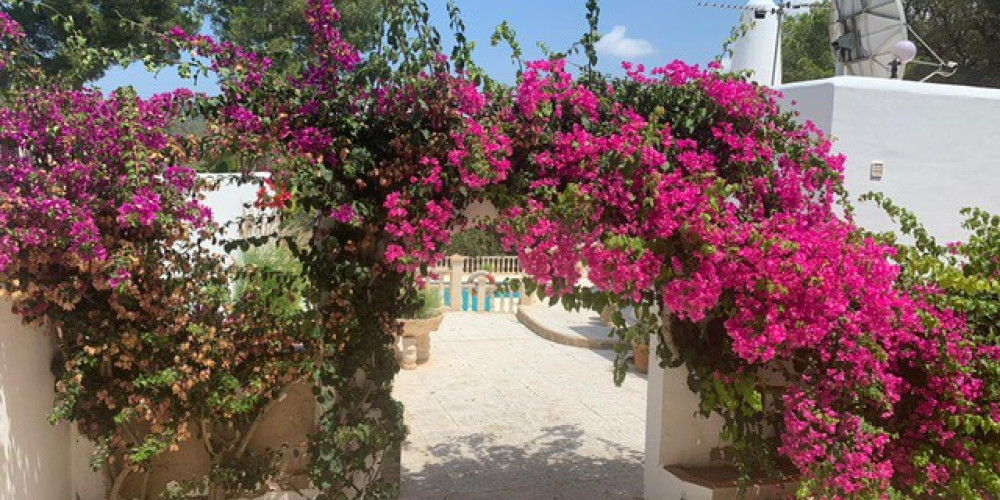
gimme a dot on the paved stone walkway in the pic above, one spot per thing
(500, 413)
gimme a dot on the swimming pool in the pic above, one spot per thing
(471, 303)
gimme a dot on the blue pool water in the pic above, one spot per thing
(471, 303)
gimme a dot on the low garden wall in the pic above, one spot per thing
(43, 461)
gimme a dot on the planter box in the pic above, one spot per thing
(719, 482)
(414, 346)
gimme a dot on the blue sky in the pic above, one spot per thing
(651, 32)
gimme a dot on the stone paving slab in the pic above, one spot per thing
(500, 413)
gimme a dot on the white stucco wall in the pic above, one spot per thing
(34, 456)
(940, 144)
(87, 483)
(228, 201)
(674, 435)
(38, 461)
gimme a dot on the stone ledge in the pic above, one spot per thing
(721, 480)
(560, 337)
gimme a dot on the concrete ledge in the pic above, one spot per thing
(721, 483)
(537, 318)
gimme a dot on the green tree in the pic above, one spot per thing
(967, 32)
(130, 26)
(477, 241)
(278, 28)
(805, 47)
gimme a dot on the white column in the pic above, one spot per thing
(758, 50)
(675, 435)
(481, 294)
(457, 273)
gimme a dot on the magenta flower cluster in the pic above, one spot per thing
(680, 188)
(85, 178)
(420, 189)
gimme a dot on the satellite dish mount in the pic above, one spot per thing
(871, 38)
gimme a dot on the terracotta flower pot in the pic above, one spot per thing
(415, 344)
(641, 356)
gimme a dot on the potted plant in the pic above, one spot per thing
(414, 346)
(639, 334)
(640, 354)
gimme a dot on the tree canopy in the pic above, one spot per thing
(961, 31)
(58, 30)
(279, 29)
(805, 47)
(132, 26)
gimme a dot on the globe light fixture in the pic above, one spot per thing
(904, 52)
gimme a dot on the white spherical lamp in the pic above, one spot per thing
(904, 50)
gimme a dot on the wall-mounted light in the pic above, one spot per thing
(877, 169)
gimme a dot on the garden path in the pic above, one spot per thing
(500, 413)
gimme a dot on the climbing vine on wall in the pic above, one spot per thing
(380, 155)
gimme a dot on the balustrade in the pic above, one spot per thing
(471, 284)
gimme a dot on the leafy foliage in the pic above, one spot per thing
(688, 192)
(101, 240)
(475, 242)
(380, 156)
(962, 277)
(805, 45)
(271, 275)
(430, 304)
(965, 32)
(279, 29)
(59, 32)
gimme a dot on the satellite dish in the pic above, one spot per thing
(863, 33)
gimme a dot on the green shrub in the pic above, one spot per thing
(274, 274)
(430, 304)
(476, 242)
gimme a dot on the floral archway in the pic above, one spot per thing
(685, 191)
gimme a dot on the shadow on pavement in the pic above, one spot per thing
(553, 463)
